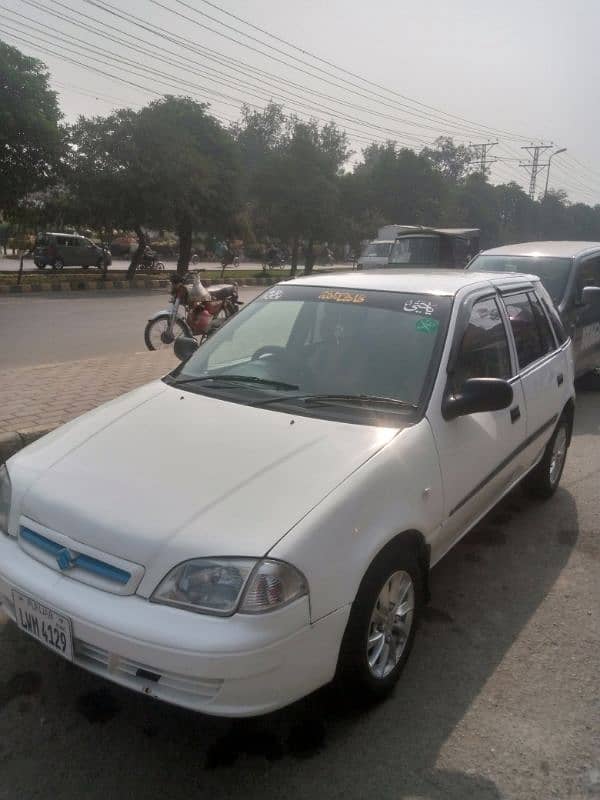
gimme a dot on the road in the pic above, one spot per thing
(52, 328)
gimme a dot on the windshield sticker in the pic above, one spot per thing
(427, 325)
(342, 297)
(419, 307)
(273, 294)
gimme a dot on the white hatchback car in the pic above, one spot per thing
(264, 518)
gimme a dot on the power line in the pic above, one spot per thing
(179, 64)
(315, 57)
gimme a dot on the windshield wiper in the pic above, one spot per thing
(239, 379)
(355, 399)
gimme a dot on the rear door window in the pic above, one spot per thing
(484, 349)
(528, 339)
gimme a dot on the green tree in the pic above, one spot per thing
(170, 164)
(453, 161)
(31, 140)
(298, 186)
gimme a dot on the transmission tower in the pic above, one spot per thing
(480, 152)
(534, 165)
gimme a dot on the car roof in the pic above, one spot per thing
(426, 281)
(58, 233)
(411, 230)
(565, 249)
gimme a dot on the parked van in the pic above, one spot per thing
(60, 250)
(375, 254)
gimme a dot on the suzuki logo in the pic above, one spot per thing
(65, 559)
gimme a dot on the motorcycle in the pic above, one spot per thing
(204, 311)
(150, 261)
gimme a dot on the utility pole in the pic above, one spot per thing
(480, 151)
(534, 165)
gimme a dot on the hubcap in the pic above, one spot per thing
(559, 452)
(390, 624)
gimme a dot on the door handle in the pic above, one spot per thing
(559, 379)
(515, 414)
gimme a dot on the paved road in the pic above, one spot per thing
(499, 700)
(54, 328)
(11, 264)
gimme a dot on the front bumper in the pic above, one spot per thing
(242, 665)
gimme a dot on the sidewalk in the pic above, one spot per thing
(48, 395)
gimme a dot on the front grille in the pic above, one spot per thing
(78, 561)
(66, 559)
(170, 686)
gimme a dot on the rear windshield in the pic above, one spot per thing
(411, 250)
(553, 272)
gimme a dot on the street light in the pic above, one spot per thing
(556, 152)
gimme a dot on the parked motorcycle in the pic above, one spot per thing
(203, 309)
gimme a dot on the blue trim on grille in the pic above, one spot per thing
(80, 560)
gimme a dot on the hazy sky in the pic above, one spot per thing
(530, 68)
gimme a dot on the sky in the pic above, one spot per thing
(516, 72)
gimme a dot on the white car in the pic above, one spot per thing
(263, 520)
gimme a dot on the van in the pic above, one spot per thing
(60, 250)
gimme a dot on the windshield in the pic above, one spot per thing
(379, 249)
(553, 272)
(296, 344)
(411, 250)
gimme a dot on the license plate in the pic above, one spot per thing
(46, 625)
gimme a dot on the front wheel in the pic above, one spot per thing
(159, 265)
(382, 624)
(58, 264)
(544, 478)
(157, 335)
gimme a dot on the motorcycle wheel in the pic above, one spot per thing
(155, 332)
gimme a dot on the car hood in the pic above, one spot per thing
(163, 474)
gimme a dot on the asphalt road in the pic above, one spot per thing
(499, 699)
(51, 328)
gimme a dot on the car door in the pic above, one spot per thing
(587, 345)
(479, 453)
(543, 368)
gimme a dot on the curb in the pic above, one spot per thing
(136, 284)
(11, 443)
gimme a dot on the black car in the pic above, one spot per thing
(570, 272)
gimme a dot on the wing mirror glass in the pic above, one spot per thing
(184, 347)
(477, 395)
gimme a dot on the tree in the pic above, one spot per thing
(169, 164)
(453, 161)
(298, 186)
(31, 140)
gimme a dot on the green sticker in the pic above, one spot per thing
(427, 324)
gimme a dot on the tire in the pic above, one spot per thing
(58, 263)
(544, 478)
(159, 265)
(39, 265)
(357, 664)
(154, 328)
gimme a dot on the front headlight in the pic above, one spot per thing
(226, 585)
(5, 492)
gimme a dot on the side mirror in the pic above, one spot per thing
(590, 296)
(477, 395)
(185, 346)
